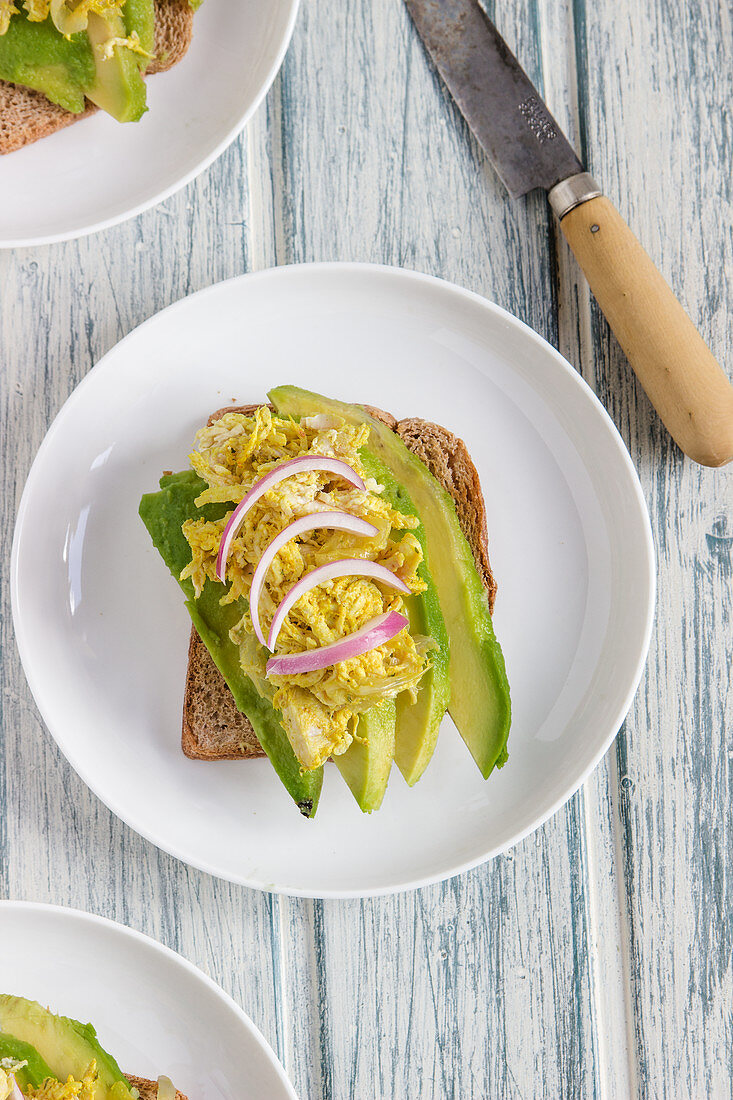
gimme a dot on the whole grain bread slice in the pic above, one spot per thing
(149, 1089)
(27, 116)
(173, 34)
(213, 728)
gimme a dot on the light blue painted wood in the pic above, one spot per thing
(594, 959)
(658, 83)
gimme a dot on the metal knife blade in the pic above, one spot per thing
(495, 95)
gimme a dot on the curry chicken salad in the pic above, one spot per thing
(327, 574)
(320, 709)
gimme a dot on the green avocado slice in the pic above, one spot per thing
(65, 1045)
(35, 1071)
(37, 56)
(118, 87)
(66, 70)
(479, 691)
(418, 723)
(139, 19)
(163, 513)
(367, 762)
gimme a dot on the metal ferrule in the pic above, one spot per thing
(569, 193)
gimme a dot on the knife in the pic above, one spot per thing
(684, 382)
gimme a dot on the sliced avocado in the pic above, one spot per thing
(139, 18)
(164, 513)
(67, 1046)
(37, 56)
(479, 691)
(35, 1071)
(418, 723)
(118, 87)
(367, 762)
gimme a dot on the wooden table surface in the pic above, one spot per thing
(594, 959)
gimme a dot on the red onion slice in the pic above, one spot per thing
(304, 464)
(338, 521)
(375, 632)
(347, 567)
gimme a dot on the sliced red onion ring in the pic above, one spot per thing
(347, 567)
(338, 521)
(304, 464)
(375, 632)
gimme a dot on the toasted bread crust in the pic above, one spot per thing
(213, 728)
(208, 704)
(27, 116)
(149, 1089)
(173, 34)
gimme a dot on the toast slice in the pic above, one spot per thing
(149, 1089)
(213, 728)
(27, 116)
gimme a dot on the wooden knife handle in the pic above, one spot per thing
(684, 382)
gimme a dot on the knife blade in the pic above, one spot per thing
(690, 391)
(495, 95)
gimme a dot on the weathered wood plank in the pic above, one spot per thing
(608, 934)
(457, 991)
(656, 85)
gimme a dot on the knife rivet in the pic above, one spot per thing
(594, 228)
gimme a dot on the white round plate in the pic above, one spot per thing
(104, 172)
(154, 1012)
(103, 632)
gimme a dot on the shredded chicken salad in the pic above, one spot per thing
(51, 1089)
(319, 709)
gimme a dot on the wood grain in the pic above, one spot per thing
(594, 960)
(655, 82)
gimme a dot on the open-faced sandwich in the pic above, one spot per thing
(335, 567)
(48, 1057)
(60, 60)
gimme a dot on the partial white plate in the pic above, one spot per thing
(154, 1012)
(103, 632)
(103, 172)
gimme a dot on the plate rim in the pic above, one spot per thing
(174, 956)
(189, 177)
(377, 270)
